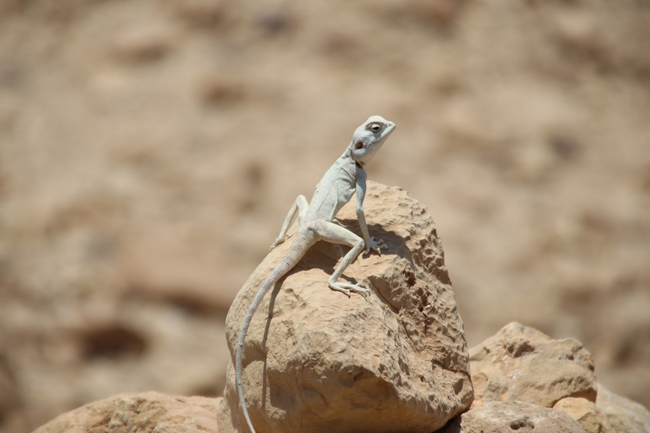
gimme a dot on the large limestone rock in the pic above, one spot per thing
(520, 364)
(144, 412)
(523, 364)
(511, 416)
(318, 361)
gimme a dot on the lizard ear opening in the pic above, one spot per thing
(358, 145)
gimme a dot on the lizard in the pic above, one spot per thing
(345, 177)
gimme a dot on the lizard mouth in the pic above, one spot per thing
(374, 147)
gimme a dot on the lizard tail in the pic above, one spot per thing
(294, 254)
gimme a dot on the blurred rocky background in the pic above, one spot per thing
(150, 149)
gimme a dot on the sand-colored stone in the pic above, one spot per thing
(510, 416)
(586, 413)
(144, 412)
(523, 364)
(318, 361)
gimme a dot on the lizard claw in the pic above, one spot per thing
(348, 288)
(277, 242)
(375, 245)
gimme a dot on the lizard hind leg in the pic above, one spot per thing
(334, 233)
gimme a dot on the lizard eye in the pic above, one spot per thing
(358, 145)
(374, 127)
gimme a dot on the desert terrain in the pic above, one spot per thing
(150, 150)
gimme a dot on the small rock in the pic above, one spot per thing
(579, 30)
(167, 270)
(586, 413)
(147, 412)
(506, 417)
(623, 414)
(318, 361)
(443, 12)
(12, 416)
(523, 364)
(8, 390)
(219, 90)
(275, 21)
(142, 45)
(198, 13)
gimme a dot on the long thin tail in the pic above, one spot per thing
(293, 256)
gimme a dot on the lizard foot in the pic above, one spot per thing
(375, 245)
(347, 288)
(277, 242)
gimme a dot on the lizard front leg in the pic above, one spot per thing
(370, 242)
(336, 234)
(300, 205)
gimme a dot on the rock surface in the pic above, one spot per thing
(523, 364)
(586, 413)
(523, 371)
(624, 415)
(318, 361)
(509, 416)
(144, 412)
(160, 413)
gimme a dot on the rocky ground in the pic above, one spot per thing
(524, 381)
(396, 361)
(149, 151)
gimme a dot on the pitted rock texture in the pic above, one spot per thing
(318, 361)
(520, 365)
(523, 364)
(512, 416)
(144, 412)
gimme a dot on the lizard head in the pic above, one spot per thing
(369, 137)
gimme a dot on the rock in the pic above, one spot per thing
(167, 270)
(12, 416)
(586, 413)
(9, 393)
(198, 13)
(221, 90)
(318, 361)
(148, 411)
(509, 416)
(623, 414)
(146, 44)
(580, 31)
(523, 364)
